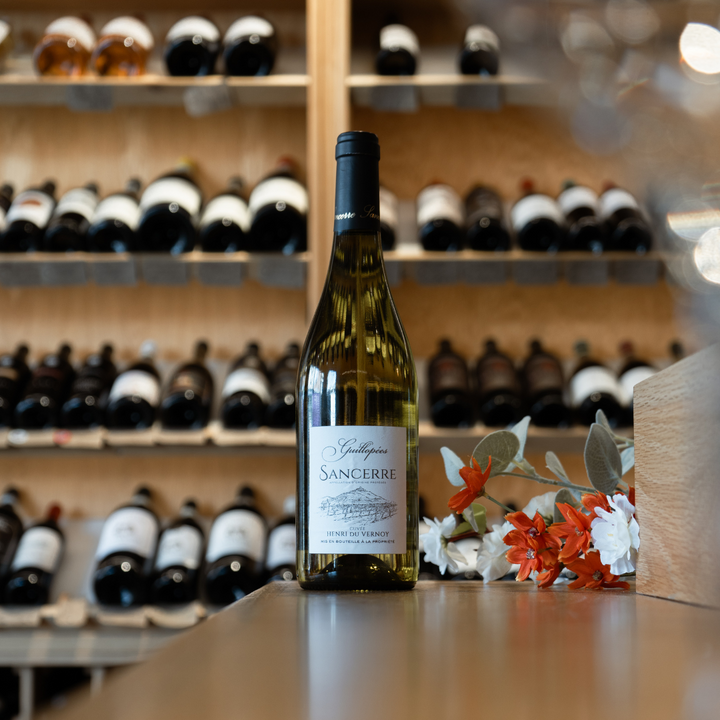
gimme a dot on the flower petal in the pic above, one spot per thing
(453, 465)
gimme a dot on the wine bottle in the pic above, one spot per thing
(69, 223)
(428, 570)
(64, 48)
(388, 218)
(440, 218)
(85, 408)
(677, 351)
(135, 394)
(249, 47)
(6, 44)
(9, 693)
(225, 222)
(633, 371)
(188, 396)
(451, 402)
(180, 552)
(278, 212)
(115, 221)
(127, 545)
(10, 528)
(627, 228)
(281, 408)
(169, 210)
(36, 561)
(543, 387)
(123, 48)
(480, 54)
(246, 392)
(6, 193)
(580, 207)
(281, 560)
(498, 388)
(235, 551)
(537, 221)
(399, 51)
(191, 47)
(357, 395)
(27, 219)
(594, 387)
(14, 375)
(484, 223)
(46, 392)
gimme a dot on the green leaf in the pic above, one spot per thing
(462, 528)
(602, 460)
(453, 465)
(480, 518)
(601, 419)
(502, 446)
(628, 459)
(553, 464)
(564, 495)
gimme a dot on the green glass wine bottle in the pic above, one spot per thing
(357, 421)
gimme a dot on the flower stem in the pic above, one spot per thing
(462, 536)
(547, 481)
(497, 502)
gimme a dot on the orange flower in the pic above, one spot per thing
(532, 547)
(631, 495)
(593, 575)
(576, 530)
(547, 578)
(475, 480)
(590, 502)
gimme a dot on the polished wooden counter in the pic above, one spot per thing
(446, 650)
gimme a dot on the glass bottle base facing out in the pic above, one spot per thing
(356, 573)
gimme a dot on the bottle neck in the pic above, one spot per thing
(357, 196)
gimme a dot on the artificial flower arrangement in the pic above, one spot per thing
(587, 537)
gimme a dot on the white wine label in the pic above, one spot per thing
(274, 191)
(230, 207)
(388, 208)
(237, 532)
(31, 206)
(130, 27)
(357, 490)
(247, 380)
(180, 546)
(172, 190)
(73, 27)
(615, 199)
(39, 547)
(79, 200)
(439, 202)
(628, 380)
(532, 208)
(578, 197)
(118, 207)
(4, 30)
(248, 26)
(281, 547)
(129, 529)
(192, 27)
(481, 36)
(595, 379)
(136, 383)
(399, 37)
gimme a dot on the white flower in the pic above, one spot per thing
(491, 562)
(616, 535)
(435, 544)
(544, 504)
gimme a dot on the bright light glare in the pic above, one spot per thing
(700, 48)
(707, 256)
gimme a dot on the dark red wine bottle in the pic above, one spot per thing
(191, 47)
(246, 392)
(450, 395)
(115, 221)
(399, 52)
(27, 219)
(537, 221)
(36, 561)
(234, 560)
(14, 375)
(281, 552)
(225, 222)
(580, 207)
(67, 229)
(46, 392)
(594, 387)
(498, 388)
(249, 47)
(484, 222)
(179, 555)
(440, 218)
(85, 408)
(188, 397)
(10, 529)
(281, 409)
(633, 371)
(127, 546)
(626, 226)
(480, 54)
(543, 387)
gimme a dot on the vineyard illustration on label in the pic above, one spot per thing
(358, 505)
